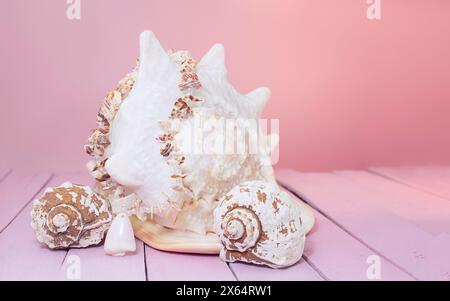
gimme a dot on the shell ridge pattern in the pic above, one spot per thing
(268, 223)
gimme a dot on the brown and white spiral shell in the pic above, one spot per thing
(70, 216)
(259, 223)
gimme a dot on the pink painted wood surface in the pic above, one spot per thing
(433, 179)
(429, 212)
(358, 210)
(363, 214)
(16, 190)
(4, 172)
(300, 271)
(339, 256)
(175, 266)
(21, 256)
(96, 265)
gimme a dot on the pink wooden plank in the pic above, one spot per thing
(4, 172)
(439, 248)
(96, 265)
(21, 256)
(433, 179)
(175, 266)
(359, 211)
(16, 191)
(339, 256)
(300, 271)
(429, 212)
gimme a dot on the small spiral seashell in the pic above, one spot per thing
(65, 219)
(258, 223)
(241, 229)
(70, 216)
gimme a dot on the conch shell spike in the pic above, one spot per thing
(258, 99)
(151, 54)
(214, 60)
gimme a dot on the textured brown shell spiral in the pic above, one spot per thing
(70, 216)
(259, 223)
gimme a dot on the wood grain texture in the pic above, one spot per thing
(360, 211)
(16, 190)
(339, 256)
(4, 172)
(432, 179)
(21, 256)
(96, 265)
(176, 266)
(358, 214)
(428, 212)
(301, 271)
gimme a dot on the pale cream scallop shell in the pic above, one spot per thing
(259, 223)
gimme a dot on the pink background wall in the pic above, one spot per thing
(349, 92)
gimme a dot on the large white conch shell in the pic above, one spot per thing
(258, 223)
(143, 146)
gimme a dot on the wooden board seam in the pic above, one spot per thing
(64, 259)
(145, 261)
(6, 175)
(27, 203)
(232, 271)
(305, 199)
(315, 268)
(398, 181)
